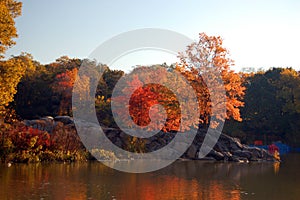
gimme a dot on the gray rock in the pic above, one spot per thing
(44, 124)
(64, 119)
(243, 154)
(239, 159)
(226, 149)
(216, 155)
(192, 152)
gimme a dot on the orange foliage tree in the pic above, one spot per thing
(145, 97)
(63, 85)
(147, 93)
(208, 55)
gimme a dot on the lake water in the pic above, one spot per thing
(181, 180)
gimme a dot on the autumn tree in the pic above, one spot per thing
(141, 101)
(209, 57)
(47, 89)
(157, 85)
(9, 10)
(11, 72)
(206, 67)
(63, 85)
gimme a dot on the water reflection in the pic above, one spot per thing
(181, 180)
(276, 167)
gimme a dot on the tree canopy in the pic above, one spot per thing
(206, 55)
(11, 72)
(209, 55)
(271, 111)
(9, 10)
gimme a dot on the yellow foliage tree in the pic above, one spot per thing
(11, 72)
(9, 10)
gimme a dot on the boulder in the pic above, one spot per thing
(230, 149)
(191, 153)
(216, 155)
(226, 148)
(64, 119)
(44, 124)
(243, 154)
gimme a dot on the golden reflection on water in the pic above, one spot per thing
(276, 167)
(78, 181)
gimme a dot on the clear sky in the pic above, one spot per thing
(257, 33)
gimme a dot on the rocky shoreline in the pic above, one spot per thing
(226, 149)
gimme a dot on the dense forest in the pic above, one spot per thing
(272, 105)
(264, 105)
(270, 111)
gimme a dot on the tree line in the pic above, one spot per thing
(259, 106)
(272, 107)
(269, 108)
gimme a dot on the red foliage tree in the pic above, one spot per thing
(63, 85)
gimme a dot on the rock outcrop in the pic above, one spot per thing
(43, 124)
(48, 123)
(226, 149)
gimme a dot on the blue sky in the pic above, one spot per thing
(257, 33)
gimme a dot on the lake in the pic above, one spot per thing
(181, 180)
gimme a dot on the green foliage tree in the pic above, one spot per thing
(34, 97)
(288, 92)
(46, 89)
(271, 110)
(104, 91)
(108, 81)
(262, 108)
